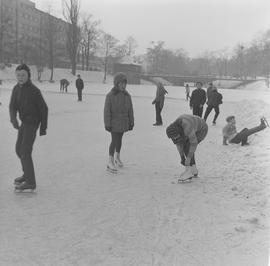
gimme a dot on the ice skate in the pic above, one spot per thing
(25, 187)
(194, 170)
(111, 166)
(186, 176)
(117, 160)
(19, 180)
(264, 122)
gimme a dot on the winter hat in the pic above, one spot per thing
(229, 118)
(119, 77)
(24, 67)
(172, 131)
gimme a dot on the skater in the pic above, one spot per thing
(232, 136)
(213, 102)
(209, 89)
(79, 86)
(187, 91)
(27, 101)
(197, 100)
(159, 103)
(64, 83)
(118, 118)
(186, 132)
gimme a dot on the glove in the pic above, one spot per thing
(107, 128)
(183, 160)
(15, 124)
(42, 132)
(131, 127)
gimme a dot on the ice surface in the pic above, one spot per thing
(81, 215)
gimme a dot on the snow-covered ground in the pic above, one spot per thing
(81, 215)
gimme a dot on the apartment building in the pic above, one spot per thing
(25, 32)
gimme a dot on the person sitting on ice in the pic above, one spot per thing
(231, 135)
(186, 132)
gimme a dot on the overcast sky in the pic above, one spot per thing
(194, 25)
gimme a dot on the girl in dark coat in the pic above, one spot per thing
(118, 118)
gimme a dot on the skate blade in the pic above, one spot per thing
(109, 170)
(17, 190)
(181, 181)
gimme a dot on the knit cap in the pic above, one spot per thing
(24, 67)
(172, 131)
(119, 77)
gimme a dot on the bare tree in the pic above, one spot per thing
(109, 43)
(131, 45)
(71, 11)
(90, 34)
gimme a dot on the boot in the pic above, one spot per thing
(194, 170)
(117, 160)
(25, 186)
(186, 175)
(111, 166)
(19, 180)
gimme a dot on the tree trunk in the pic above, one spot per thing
(51, 78)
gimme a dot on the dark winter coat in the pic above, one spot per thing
(27, 100)
(214, 98)
(79, 84)
(198, 97)
(160, 95)
(118, 111)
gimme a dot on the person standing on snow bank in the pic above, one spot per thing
(197, 100)
(213, 102)
(26, 99)
(159, 103)
(186, 132)
(79, 86)
(118, 118)
(187, 91)
(231, 135)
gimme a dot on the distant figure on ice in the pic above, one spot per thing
(187, 91)
(213, 102)
(64, 83)
(79, 86)
(118, 118)
(159, 103)
(26, 99)
(197, 100)
(231, 135)
(186, 132)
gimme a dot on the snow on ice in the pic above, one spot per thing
(81, 215)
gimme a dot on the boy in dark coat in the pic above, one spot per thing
(186, 132)
(118, 118)
(197, 100)
(79, 86)
(159, 103)
(26, 99)
(214, 100)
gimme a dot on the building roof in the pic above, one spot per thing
(127, 60)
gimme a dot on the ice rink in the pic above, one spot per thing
(82, 215)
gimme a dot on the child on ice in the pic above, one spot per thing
(232, 136)
(186, 132)
(118, 118)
